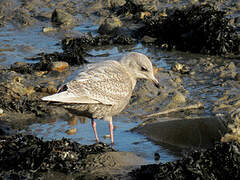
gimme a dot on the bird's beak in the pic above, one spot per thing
(156, 83)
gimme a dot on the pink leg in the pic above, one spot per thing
(94, 129)
(111, 129)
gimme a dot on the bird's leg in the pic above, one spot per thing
(111, 130)
(94, 129)
(109, 119)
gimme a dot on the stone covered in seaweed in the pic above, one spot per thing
(221, 162)
(196, 28)
(26, 155)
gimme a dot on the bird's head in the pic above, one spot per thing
(139, 66)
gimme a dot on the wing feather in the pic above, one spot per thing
(106, 83)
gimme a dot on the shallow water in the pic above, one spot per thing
(80, 130)
(18, 44)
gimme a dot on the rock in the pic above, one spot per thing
(50, 89)
(181, 68)
(62, 18)
(178, 80)
(106, 136)
(21, 67)
(237, 77)
(110, 25)
(156, 156)
(219, 162)
(31, 156)
(195, 132)
(213, 35)
(71, 55)
(49, 29)
(1, 111)
(22, 17)
(148, 39)
(116, 3)
(76, 46)
(145, 5)
(155, 70)
(40, 73)
(142, 15)
(228, 71)
(58, 66)
(72, 131)
(176, 99)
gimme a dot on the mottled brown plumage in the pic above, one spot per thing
(102, 90)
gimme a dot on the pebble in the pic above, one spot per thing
(71, 131)
(144, 14)
(1, 111)
(40, 73)
(49, 29)
(237, 77)
(148, 39)
(178, 98)
(181, 68)
(58, 66)
(156, 156)
(106, 136)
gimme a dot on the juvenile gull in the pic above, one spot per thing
(102, 90)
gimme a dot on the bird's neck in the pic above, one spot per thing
(131, 75)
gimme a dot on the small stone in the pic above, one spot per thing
(148, 39)
(178, 80)
(155, 70)
(71, 131)
(192, 73)
(145, 5)
(51, 89)
(106, 136)
(44, 90)
(181, 68)
(156, 156)
(178, 98)
(1, 111)
(237, 77)
(49, 29)
(21, 67)
(144, 14)
(58, 66)
(164, 46)
(117, 3)
(40, 73)
(18, 79)
(30, 90)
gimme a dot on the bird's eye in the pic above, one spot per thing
(143, 69)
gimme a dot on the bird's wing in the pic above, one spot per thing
(106, 83)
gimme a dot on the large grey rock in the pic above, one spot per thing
(198, 132)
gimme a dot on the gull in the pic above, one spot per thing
(102, 90)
